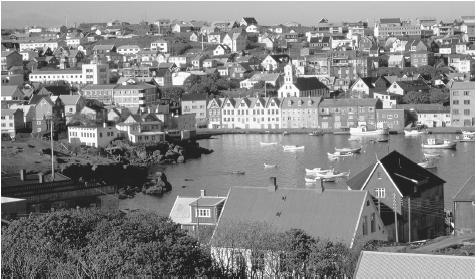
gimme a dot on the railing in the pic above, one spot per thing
(48, 187)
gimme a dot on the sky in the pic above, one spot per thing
(18, 14)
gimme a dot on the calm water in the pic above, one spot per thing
(244, 152)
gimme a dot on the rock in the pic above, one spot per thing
(180, 159)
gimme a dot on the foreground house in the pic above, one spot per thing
(397, 183)
(463, 208)
(283, 209)
(408, 265)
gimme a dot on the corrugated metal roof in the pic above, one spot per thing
(287, 208)
(407, 265)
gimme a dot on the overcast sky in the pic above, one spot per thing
(21, 14)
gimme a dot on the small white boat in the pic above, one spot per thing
(363, 131)
(348, 149)
(316, 133)
(431, 155)
(317, 170)
(293, 147)
(433, 143)
(268, 143)
(413, 132)
(466, 138)
(340, 154)
(266, 166)
(285, 133)
(428, 164)
(310, 180)
(468, 133)
(332, 175)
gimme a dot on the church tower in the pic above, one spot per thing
(289, 74)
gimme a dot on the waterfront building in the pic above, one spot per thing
(100, 136)
(372, 264)
(144, 128)
(228, 112)
(301, 87)
(337, 113)
(200, 212)
(241, 112)
(196, 104)
(214, 109)
(389, 100)
(463, 208)
(12, 122)
(434, 117)
(300, 112)
(391, 118)
(462, 104)
(38, 44)
(394, 182)
(311, 210)
(134, 95)
(264, 113)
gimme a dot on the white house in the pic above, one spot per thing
(301, 87)
(236, 41)
(179, 77)
(92, 136)
(160, 45)
(388, 100)
(128, 49)
(252, 28)
(221, 50)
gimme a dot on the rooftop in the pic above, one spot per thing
(466, 192)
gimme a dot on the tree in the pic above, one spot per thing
(413, 97)
(439, 96)
(329, 259)
(95, 244)
(172, 92)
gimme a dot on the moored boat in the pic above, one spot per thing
(428, 164)
(310, 180)
(364, 131)
(266, 166)
(339, 154)
(316, 133)
(348, 149)
(285, 133)
(468, 133)
(317, 170)
(268, 143)
(431, 155)
(413, 132)
(382, 140)
(293, 147)
(466, 138)
(433, 143)
(342, 131)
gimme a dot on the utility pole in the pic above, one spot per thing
(409, 222)
(52, 153)
(395, 211)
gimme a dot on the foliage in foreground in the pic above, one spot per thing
(96, 244)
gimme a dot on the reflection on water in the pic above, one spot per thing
(214, 172)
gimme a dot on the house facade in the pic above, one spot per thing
(92, 136)
(338, 113)
(462, 102)
(391, 118)
(299, 112)
(12, 122)
(463, 208)
(214, 113)
(192, 104)
(301, 87)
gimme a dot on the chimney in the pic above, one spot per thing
(274, 186)
(40, 177)
(22, 175)
(203, 193)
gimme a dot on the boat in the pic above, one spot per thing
(293, 147)
(285, 133)
(316, 133)
(333, 175)
(431, 155)
(342, 131)
(413, 132)
(348, 149)
(237, 172)
(364, 131)
(339, 154)
(266, 166)
(468, 133)
(433, 143)
(268, 143)
(382, 140)
(317, 170)
(310, 180)
(428, 164)
(466, 138)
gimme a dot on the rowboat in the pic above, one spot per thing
(466, 138)
(348, 149)
(433, 143)
(382, 140)
(413, 132)
(339, 154)
(268, 143)
(431, 155)
(266, 166)
(428, 164)
(468, 133)
(316, 133)
(317, 170)
(364, 131)
(293, 147)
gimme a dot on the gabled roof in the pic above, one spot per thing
(207, 201)
(180, 212)
(304, 84)
(250, 20)
(466, 192)
(103, 47)
(413, 85)
(10, 90)
(36, 99)
(408, 265)
(70, 99)
(301, 102)
(288, 208)
(369, 81)
(401, 171)
(389, 20)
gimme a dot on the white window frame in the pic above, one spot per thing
(203, 212)
(380, 193)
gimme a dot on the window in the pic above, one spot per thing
(466, 102)
(455, 111)
(467, 112)
(380, 193)
(364, 226)
(455, 102)
(372, 223)
(466, 93)
(201, 212)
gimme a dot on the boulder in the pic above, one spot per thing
(180, 159)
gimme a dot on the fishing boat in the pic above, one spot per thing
(293, 147)
(339, 154)
(364, 131)
(268, 143)
(317, 170)
(382, 140)
(237, 172)
(413, 132)
(468, 133)
(266, 166)
(433, 143)
(428, 164)
(285, 133)
(348, 149)
(316, 133)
